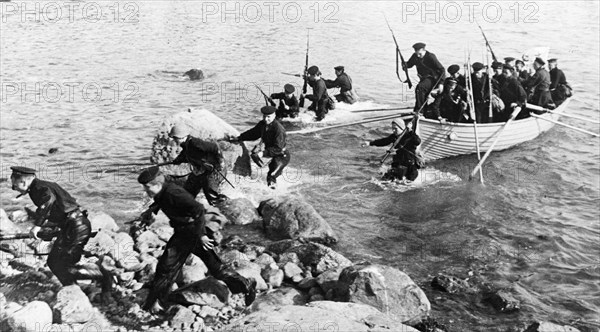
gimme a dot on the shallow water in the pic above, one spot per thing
(533, 228)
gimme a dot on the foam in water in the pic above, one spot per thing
(342, 113)
(427, 176)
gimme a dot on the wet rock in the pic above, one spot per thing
(252, 270)
(180, 316)
(102, 221)
(264, 260)
(193, 270)
(328, 280)
(385, 288)
(292, 271)
(253, 251)
(430, 325)
(449, 284)
(317, 297)
(53, 150)
(233, 242)
(208, 291)
(503, 301)
(319, 258)
(549, 327)
(72, 306)
(239, 211)
(31, 317)
(194, 74)
(6, 225)
(272, 275)
(101, 244)
(288, 257)
(292, 218)
(281, 246)
(233, 258)
(148, 241)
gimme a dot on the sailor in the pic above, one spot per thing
(559, 88)
(430, 71)
(273, 137)
(452, 102)
(288, 103)
(512, 94)
(344, 83)
(56, 208)
(206, 161)
(191, 236)
(321, 102)
(522, 73)
(538, 85)
(497, 78)
(510, 61)
(454, 71)
(405, 162)
(481, 92)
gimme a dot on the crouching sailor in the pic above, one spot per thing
(405, 163)
(57, 209)
(187, 217)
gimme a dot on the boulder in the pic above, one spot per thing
(549, 327)
(239, 211)
(148, 241)
(278, 298)
(319, 258)
(102, 221)
(286, 257)
(252, 270)
(503, 301)
(449, 284)
(72, 306)
(385, 288)
(308, 283)
(123, 250)
(19, 216)
(194, 74)
(272, 275)
(193, 270)
(329, 279)
(180, 316)
(233, 258)
(292, 271)
(253, 251)
(6, 225)
(233, 242)
(208, 291)
(264, 260)
(34, 316)
(330, 316)
(290, 217)
(205, 125)
(101, 244)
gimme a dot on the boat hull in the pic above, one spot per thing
(454, 139)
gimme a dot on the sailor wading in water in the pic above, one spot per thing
(405, 162)
(344, 83)
(273, 136)
(57, 209)
(321, 102)
(288, 103)
(191, 236)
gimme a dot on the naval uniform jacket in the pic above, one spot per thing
(320, 97)
(292, 102)
(54, 204)
(427, 66)
(197, 151)
(184, 212)
(273, 137)
(406, 148)
(557, 77)
(344, 82)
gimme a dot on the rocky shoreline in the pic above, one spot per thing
(303, 283)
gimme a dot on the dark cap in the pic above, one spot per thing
(450, 80)
(266, 110)
(540, 61)
(509, 67)
(552, 60)
(453, 69)
(477, 66)
(313, 70)
(497, 65)
(419, 46)
(341, 68)
(509, 59)
(288, 88)
(20, 170)
(519, 61)
(148, 174)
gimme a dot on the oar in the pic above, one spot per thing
(541, 109)
(487, 154)
(471, 99)
(383, 109)
(290, 74)
(312, 130)
(564, 124)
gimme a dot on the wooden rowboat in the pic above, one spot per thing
(454, 139)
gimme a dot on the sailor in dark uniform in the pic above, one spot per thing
(57, 209)
(510, 61)
(191, 236)
(431, 72)
(481, 93)
(538, 85)
(522, 73)
(512, 94)
(344, 83)
(321, 102)
(404, 163)
(498, 77)
(451, 103)
(558, 86)
(207, 164)
(273, 136)
(288, 103)
(454, 71)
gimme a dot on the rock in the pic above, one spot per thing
(449, 284)
(385, 288)
(101, 244)
(288, 257)
(317, 297)
(315, 291)
(503, 302)
(319, 258)
(292, 218)
(2, 302)
(208, 312)
(204, 125)
(308, 282)
(272, 275)
(239, 211)
(279, 247)
(278, 298)
(163, 230)
(264, 260)
(102, 221)
(233, 242)
(194, 74)
(72, 306)
(34, 316)
(6, 225)
(335, 316)
(291, 270)
(123, 250)
(8, 309)
(148, 241)
(233, 258)
(208, 291)
(18, 216)
(180, 316)
(193, 270)
(549, 327)
(253, 251)
(252, 270)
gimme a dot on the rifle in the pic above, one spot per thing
(389, 151)
(398, 53)
(290, 74)
(305, 85)
(268, 99)
(487, 43)
(46, 234)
